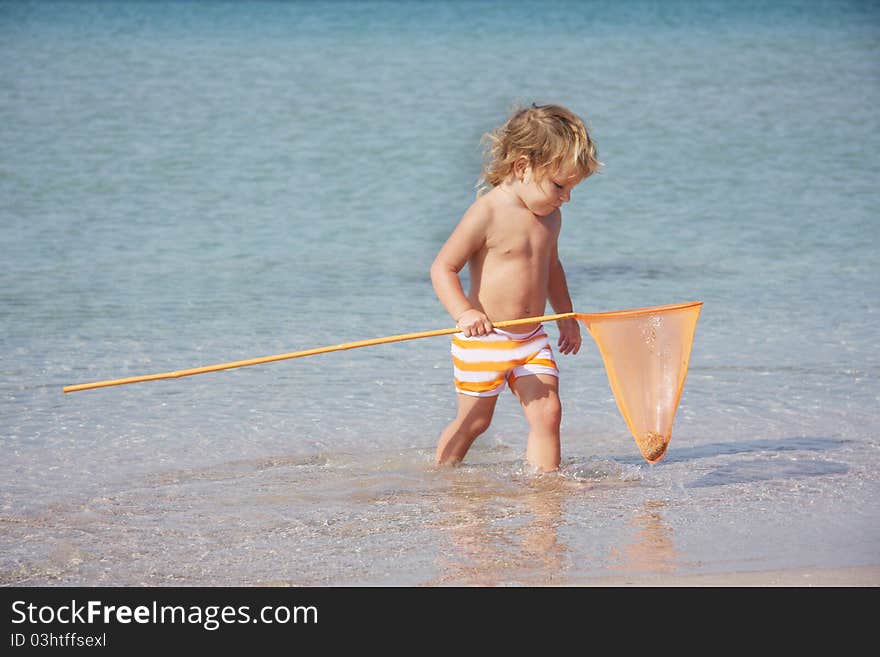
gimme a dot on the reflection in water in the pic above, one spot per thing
(651, 548)
(540, 537)
(501, 532)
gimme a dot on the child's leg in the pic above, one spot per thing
(474, 416)
(539, 396)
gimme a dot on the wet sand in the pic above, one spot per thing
(860, 576)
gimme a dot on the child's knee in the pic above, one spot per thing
(546, 412)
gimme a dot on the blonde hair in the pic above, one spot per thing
(550, 136)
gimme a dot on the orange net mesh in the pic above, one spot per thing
(646, 353)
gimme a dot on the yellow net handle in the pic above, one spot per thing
(299, 354)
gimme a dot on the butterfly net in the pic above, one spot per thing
(646, 353)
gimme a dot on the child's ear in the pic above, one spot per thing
(521, 167)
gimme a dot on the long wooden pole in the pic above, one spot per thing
(299, 354)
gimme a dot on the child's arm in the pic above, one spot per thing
(569, 330)
(467, 238)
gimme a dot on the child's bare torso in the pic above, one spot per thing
(510, 274)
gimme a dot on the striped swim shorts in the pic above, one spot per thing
(482, 365)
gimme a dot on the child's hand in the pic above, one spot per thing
(472, 322)
(569, 335)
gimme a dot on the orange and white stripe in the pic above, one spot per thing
(482, 365)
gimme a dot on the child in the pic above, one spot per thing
(508, 238)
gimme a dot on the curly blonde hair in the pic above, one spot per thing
(550, 136)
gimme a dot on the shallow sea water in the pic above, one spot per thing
(185, 184)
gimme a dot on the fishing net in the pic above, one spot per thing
(645, 350)
(646, 353)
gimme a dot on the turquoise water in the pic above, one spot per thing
(190, 183)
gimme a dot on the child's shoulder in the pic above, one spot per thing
(492, 202)
(484, 207)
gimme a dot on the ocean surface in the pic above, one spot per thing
(191, 183)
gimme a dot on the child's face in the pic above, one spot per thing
(546, 193)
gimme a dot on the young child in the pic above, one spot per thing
(508, 239)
